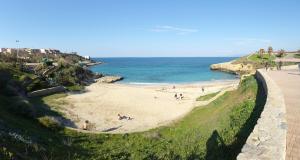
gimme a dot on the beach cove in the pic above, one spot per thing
(148, 106)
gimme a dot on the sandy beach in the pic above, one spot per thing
(148, 106)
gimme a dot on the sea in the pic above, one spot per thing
(163, 70)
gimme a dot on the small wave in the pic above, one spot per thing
(145, 83)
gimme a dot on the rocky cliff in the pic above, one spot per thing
(236, 68)
(109, 79)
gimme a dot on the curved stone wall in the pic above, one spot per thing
(268, 138)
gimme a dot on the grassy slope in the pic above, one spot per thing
(266, 57)
(215, 131)
(207, 97)
(256, 61)
(297, 56)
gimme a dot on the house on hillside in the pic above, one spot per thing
(87, 57)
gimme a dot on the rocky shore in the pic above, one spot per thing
(109, 79)
(93, 63)
(236, 68)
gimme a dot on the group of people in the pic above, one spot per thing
(86, 123)
(278, 65)
(180, 96)
(120, 117)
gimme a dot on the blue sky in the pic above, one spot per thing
(140, 28)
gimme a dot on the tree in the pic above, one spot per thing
(281, 53)
(270, 50)
(261, 52)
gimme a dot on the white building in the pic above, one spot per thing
(43, 51)
(87, 57)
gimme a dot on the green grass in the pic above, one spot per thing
(215, 131)
(297, 56)
(257, 58)
(75, 88)
(207, 97)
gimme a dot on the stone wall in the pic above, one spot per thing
(268, 138)
(46, 91)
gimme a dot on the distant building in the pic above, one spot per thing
(29, 51)
(8, 50)
(87, 57)
(43, 51)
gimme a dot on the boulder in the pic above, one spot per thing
(109, 79)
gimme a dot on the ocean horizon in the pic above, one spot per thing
(163, 70)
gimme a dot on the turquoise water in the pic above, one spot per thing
(163, 70)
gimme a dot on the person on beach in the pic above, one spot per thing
(181, 96)
(176, 96)
(120, 117)
(202, 89)
(279, 65)
(124, 117)
(174, 87)
(85, 125)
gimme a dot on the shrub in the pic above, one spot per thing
(24, 78)
(75, 88)
(50, 122)
(37, 85)
(23, 107)
(6, 154)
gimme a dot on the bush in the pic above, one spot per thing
(23, 107)
(37, 85)
(6, 154)
(24, 78)
(75, 88)
(50, 122)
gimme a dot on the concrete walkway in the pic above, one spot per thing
(289, 82)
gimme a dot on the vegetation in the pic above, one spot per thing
(261, 58)
(261, 52)
(297, 56)
(215, 131)
(207, 97)
(270, 50)
(281, 53)
(68, 72)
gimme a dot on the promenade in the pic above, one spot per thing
(288, 81)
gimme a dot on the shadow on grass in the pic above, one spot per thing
(26, 138)
(215, 146)
(112, 129)
(45, 110)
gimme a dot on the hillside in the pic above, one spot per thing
(30, 130)
(244, 65)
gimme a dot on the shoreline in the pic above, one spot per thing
(176, 83)
(146, 104)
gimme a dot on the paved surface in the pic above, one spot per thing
(268, 138)
(289, 82)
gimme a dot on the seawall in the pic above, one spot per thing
(268, 138)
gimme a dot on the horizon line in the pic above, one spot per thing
(169, 57)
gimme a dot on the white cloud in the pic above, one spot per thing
(180, 31)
